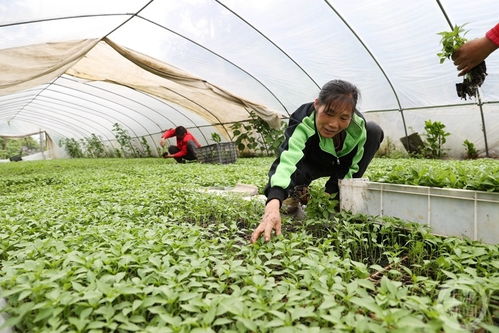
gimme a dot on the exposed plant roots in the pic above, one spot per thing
(472, 81)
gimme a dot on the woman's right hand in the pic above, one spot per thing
(271, 220)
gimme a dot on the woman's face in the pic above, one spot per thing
(334, 120)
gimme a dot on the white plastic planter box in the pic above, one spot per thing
(449, 212)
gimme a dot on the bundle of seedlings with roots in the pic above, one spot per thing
(451, 41)
(472, 81)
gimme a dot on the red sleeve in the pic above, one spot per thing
(168, 133)
(493, 34)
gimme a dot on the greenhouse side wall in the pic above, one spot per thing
(448, 212)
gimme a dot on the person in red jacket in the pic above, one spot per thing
(186, 144)
(475, 51)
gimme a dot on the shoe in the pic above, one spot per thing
(299, 214)
(292, 207)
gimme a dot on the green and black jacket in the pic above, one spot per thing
(305, 155)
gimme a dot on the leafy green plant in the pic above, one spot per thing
(216, 137)
(146, 147)
(125, 141)
(72, 147)
(471, 152)
(480, 174)
(451, 41)
(120, 245)
(257, 137)
(245, 140)
(321, 205)
(94, 146)
(435, 139)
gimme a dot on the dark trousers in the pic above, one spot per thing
(312, 171)
(191, 152)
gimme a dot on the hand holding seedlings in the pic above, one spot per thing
(469, 57)
(473, 53)
(271, 221)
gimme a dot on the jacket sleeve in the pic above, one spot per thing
(354, 167)
(493, 35)
(291, 152)
(168, 133)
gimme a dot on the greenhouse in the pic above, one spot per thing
(100, 233)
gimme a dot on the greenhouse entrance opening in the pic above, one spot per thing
(29, 147)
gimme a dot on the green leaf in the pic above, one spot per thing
(222, 321)
(130, 327)
(136, 304)
(209, 316)
(278, 314)
(410, 322)
(367, 303)
(129, 290)
(249, 324)
(274, 323)
(232, 305)
(328, 302)
(96, 325)
(23, 295)
(44, 314)
(78, 323)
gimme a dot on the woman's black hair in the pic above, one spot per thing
(180, 131)
(339, 92)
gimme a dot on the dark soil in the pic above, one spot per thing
(472, 81)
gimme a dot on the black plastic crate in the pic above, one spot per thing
(219, 153)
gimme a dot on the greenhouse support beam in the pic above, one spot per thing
(375, 61)
(57, 111)
(270, 41)
(483, 124)
(107, 107)
(445, 14)
(204, 108)
(52, 124)
(63, 18)
(142, 104)
(405, 130)
(51, 129)
(425, 107)
(125, 106)
(98, 97)
(128, 19)
(31, 100)
(221, 57)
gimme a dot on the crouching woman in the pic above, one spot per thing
(326, 138)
